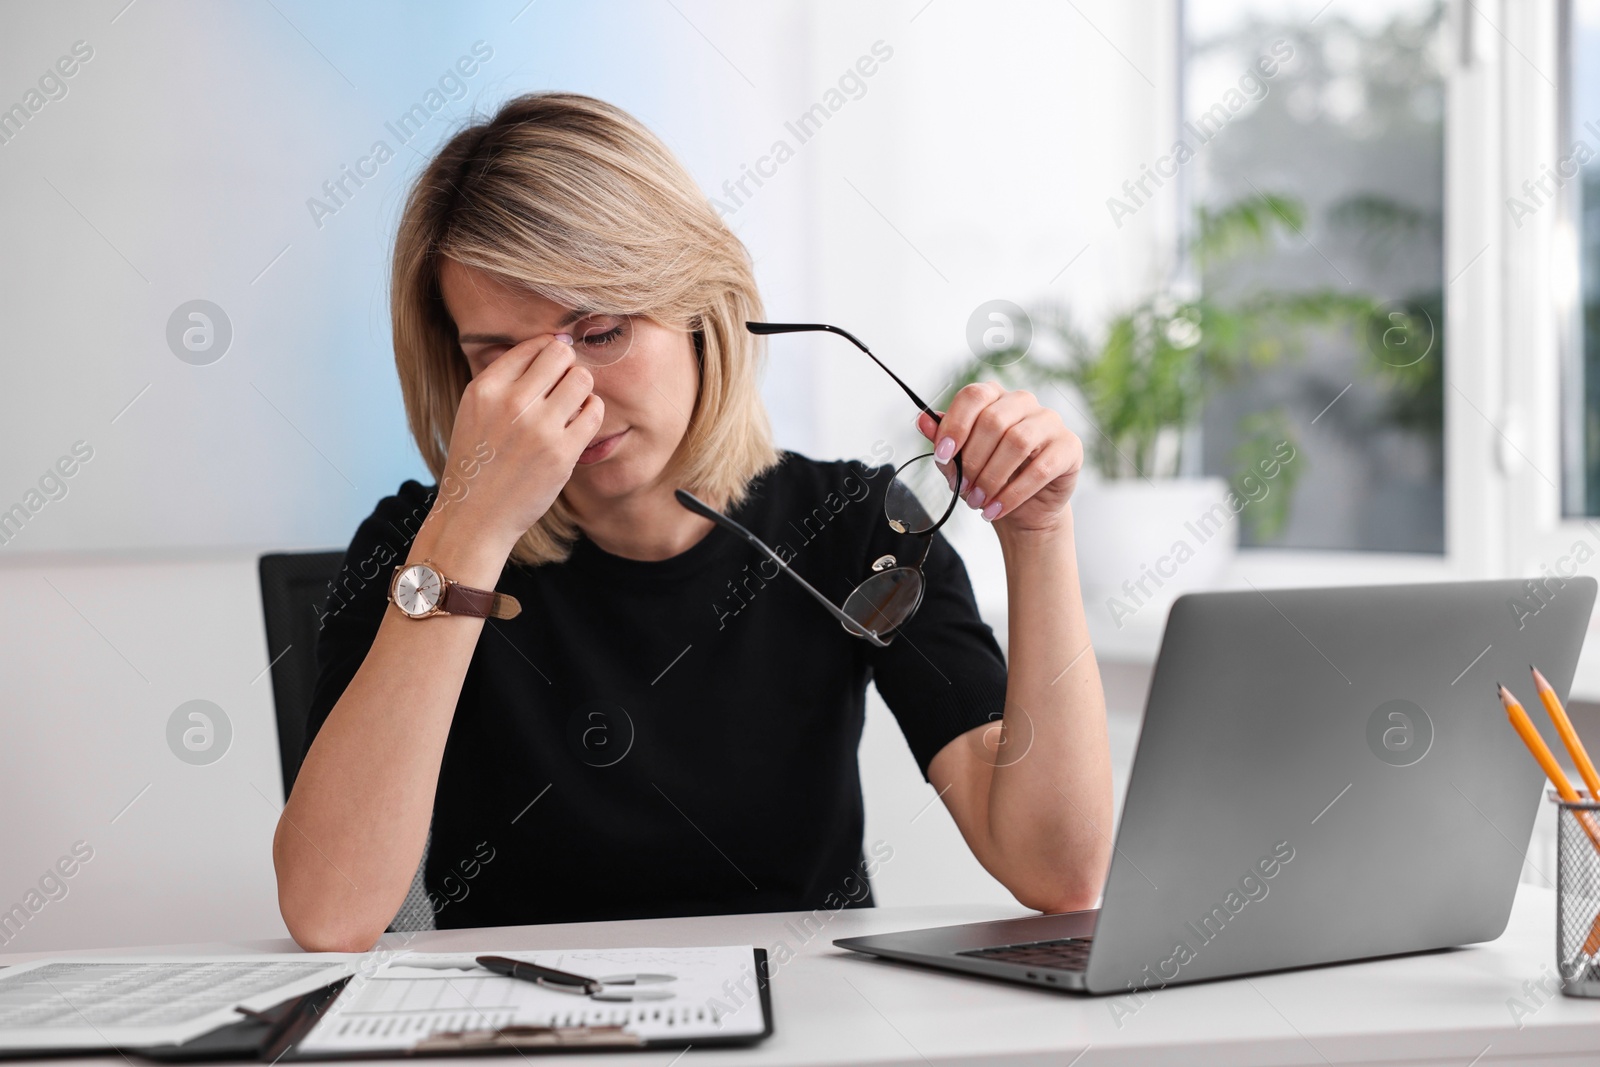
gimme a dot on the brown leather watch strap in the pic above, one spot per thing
(460, 599)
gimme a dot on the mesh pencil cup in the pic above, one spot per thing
(1578, 896)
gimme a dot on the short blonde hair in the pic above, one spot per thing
(573, 199)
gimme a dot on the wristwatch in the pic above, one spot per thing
(419, 590)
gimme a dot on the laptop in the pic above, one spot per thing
(1323, 775)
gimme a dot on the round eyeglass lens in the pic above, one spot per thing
(886, 600)
(601, 340)
(920, 495)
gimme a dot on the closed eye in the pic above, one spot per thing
(602, 339)
(600, 331)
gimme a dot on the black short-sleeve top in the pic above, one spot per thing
(678, 736)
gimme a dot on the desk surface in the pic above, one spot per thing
(834, 1007)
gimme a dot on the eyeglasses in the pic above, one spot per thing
(921, 489)
(601, 340)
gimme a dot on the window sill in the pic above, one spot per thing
(1139, 638)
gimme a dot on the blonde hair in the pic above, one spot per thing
(573, 199)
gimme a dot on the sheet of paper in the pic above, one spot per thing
(714, 992)
(104, 1001)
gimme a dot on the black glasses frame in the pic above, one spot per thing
(768, 328)
(883, 564)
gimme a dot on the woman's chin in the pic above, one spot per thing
(614, 476)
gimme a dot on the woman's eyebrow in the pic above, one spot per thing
(502, 339)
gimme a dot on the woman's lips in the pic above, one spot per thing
(601, 448)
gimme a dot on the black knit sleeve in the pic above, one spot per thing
(944, 673)
(358, 597)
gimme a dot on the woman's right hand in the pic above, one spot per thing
(522, 423)
(520, 427)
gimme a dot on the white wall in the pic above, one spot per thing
(178, 166)
(97, 656)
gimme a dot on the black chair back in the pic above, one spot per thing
(294, 586)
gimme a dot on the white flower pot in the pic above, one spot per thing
(1140, 544)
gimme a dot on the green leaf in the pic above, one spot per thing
(1267, 466)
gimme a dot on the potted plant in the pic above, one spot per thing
(1144, 532)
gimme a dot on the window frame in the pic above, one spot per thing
(1511, 303)
(1543, 299)
(1513, 376)
(1315, 567)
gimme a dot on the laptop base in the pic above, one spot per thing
(975, 948)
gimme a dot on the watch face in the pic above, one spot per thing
(417, 590)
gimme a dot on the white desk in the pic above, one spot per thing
(833, 1007)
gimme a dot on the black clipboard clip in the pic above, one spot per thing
(259, 1035)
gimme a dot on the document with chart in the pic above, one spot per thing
(436, 1002)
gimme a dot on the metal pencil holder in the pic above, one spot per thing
(1578, 896)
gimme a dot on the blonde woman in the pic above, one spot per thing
(606, 699)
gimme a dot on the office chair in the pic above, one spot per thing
(294, 586)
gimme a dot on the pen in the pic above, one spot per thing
(545, 976)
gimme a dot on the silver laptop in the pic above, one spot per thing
(1323, 775)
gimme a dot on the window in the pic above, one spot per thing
(1317, 188)
(1580, 157)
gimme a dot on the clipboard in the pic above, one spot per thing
(274, 1034)
(298, 1019)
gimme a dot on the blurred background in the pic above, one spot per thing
(1317, 282)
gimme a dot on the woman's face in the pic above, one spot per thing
(649, 390)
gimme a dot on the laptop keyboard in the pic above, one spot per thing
(1061, 954)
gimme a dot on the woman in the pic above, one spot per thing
(659, 724)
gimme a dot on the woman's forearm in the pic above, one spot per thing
(353, 830)
(1049, 811)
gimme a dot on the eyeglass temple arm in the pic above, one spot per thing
(765, 328)
(701, 508)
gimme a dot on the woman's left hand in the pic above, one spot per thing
(1020, 461)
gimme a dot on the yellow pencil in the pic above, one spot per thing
(1541, 751)
(1552, 770)
(1569, 736)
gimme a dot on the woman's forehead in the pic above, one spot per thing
(480, 303)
